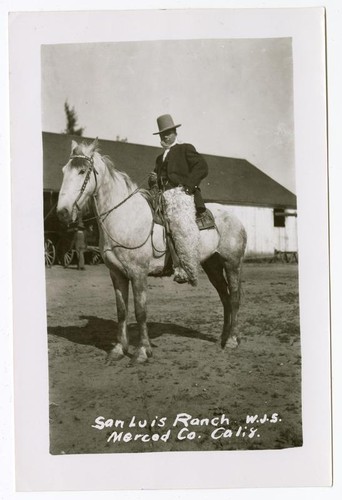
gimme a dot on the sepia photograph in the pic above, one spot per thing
(169, 181)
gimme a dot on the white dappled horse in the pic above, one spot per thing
(133, 246)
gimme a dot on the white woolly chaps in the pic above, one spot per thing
(181, 214)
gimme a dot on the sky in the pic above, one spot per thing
(233, 97)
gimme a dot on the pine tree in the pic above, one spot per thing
(71, 118)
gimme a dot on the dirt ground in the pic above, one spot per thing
(191, 395)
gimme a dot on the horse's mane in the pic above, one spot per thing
(117, 174)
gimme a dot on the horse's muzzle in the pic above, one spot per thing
(64, 215)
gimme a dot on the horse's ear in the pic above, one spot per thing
(73, 145)
(94, 145)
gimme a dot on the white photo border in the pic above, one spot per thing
(36, 469)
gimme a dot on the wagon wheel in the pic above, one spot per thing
(67, 257)
(95, 259)
(49, 253)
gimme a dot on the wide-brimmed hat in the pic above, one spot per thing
(165, 122)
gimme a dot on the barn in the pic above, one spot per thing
(266, 208)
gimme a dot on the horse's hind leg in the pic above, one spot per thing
(139, 285)
(214, 270)
(121, 287)
(234, 285)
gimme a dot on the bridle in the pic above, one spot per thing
(91, 169)
(101, 217)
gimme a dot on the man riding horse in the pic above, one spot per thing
(132, 245)
(177, 174)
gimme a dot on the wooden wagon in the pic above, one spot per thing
(59, 241)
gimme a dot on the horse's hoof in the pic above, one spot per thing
(149, 352)
(232, 343)
(115, 354)
(141, 355)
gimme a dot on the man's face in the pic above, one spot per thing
(168, 137)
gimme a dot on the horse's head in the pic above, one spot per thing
(79, 180)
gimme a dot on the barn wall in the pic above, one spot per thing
(262, 237)
(285, 238)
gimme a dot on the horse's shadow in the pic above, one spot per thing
(101, 333)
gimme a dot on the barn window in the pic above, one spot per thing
(279, 217)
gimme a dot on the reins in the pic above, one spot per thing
(105, 214)
(101, 217)
(120, 245)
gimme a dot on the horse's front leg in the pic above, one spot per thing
(121, 287)
(144, 350)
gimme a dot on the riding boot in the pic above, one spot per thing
(181, 276)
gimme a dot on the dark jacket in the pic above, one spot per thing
(183, 166)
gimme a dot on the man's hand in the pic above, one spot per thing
(152, 180)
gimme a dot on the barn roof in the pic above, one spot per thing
(230, 180)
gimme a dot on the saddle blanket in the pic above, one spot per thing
(205, 220)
